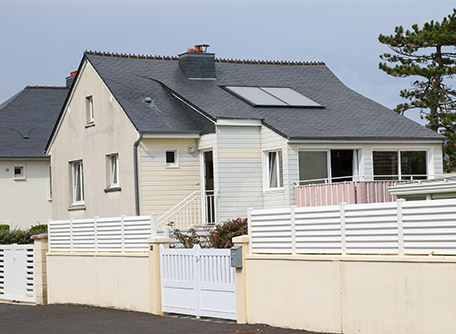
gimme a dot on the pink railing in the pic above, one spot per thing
(355, 192)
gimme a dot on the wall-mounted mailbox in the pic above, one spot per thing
(236, 256)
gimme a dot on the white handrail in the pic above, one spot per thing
(358, 178)
(170, 212)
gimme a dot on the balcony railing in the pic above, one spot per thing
(322, 192)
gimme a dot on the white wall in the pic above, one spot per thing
(25, 202)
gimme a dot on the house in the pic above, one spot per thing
(197, 139)
(26, 122)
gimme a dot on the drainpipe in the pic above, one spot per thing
(135, 163)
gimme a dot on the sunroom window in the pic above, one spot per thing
(326, 166)
(400, 165)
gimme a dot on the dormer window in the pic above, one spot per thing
(89, 110)
(272, 97)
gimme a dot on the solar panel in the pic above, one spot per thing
(255, 96)
(272, 96)
(290, 97)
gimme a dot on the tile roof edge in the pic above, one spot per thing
(47, 87)
(218, 60)
(11, 99)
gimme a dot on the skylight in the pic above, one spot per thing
(272, 96)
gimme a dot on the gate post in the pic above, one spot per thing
(39, 258)
(241, 281)
(154, 272)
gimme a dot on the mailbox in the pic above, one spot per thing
(236, 256)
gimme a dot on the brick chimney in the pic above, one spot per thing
(197, 63)
(70, 79)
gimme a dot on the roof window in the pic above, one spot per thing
(272, 96)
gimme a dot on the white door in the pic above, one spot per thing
(198, 282)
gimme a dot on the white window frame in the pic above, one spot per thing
(358, 173)
(89, 110)
(113, 169)
(22, 175)
(174, 164)
(74, 166)
(266, 171)
(429, 158)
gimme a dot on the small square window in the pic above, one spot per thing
(19, 173)
(171, 158)
(89, 110)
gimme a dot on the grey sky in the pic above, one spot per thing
(43, 41)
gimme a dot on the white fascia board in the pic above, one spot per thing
(423, 188)
(238, 122)
(83, 67)
(170, 135)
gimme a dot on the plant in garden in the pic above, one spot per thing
(4, 227)
(191, 238)
(18, 236)
(222, 235)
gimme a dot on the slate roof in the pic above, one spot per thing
(27, 120)
(347, 115)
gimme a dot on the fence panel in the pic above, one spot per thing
(198, 282)
(113, 234)
(17, 280)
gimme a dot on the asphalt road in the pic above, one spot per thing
(62, 319)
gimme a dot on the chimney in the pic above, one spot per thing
(197, 63)
(70, 79)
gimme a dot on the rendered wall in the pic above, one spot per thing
(25, 202)
(112, 133)
(356, 294)
(118, 281)
(163, 187)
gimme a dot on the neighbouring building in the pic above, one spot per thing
(196, 139)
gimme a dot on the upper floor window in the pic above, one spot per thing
(172, 158)
(19, 172)
(89, 110)
(400, 165)
(274, 177)
(113, 169)
(77, 173)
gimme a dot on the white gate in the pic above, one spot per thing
(17, 281)
(198, 282)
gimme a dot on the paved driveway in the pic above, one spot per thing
(62, 319)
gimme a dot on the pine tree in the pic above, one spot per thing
(427, 54)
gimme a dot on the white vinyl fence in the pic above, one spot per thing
(412, 227)
(115, 234)
(17, 281)
(198, 281)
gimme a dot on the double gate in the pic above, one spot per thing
(198, 282)
(17, 281)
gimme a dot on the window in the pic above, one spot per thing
(89, 109)
(274, 169)
(171, 158)
(113, 170)
(272, 96)
(400, 165)
(77, 182)
(19, 172)
(323, 166)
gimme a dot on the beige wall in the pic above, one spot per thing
(110, 280)
(112, 133)
(25, 202)
(356, 294)
(163, 187)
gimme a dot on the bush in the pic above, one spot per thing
(4, 227)
(18, 236)
(222, 235)
(191, 239)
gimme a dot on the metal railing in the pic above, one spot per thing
(357, 178)
(195, 209)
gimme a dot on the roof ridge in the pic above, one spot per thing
(46, 87)
(218, 60)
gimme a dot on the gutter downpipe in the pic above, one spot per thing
(135, 167)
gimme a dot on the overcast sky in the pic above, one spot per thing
(43, 41)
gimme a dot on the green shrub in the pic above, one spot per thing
(38, 229)
(18, 236)
(222, 235)
(4, 227)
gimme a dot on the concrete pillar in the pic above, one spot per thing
(154, 272)
(39, 254)
(241, 281)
